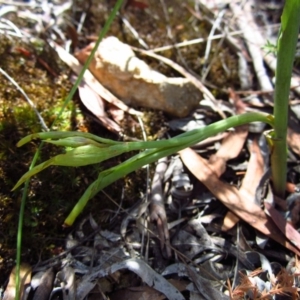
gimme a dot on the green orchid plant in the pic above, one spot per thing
(86, 148)
(90, 149)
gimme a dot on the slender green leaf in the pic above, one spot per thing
(54, 135)
(75, 142)
(78, 157)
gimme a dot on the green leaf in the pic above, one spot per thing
(54, 135)
(75, 141)
(81, 156)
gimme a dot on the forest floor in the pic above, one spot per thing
(201, 224)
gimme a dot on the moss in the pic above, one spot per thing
(44, 209)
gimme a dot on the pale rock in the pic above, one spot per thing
(132, 80)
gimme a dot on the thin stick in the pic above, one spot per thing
(43, 124)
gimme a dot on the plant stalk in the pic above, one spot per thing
(286, 47)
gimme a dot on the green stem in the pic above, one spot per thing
(287, 41)
(20, 225)
(102, 34)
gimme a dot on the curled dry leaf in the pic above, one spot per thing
(74, 64)
(95, 104)
(45, 285)
(230, 148)
(233, 199)
(205, 287)
(25, 278)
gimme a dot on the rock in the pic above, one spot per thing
(131, 79)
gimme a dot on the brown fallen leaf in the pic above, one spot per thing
(230, 220)
(95, 104)
(233, 199)
(286, 228)
(293, 139)
(117, 114)
(25, 278)
(233, 143)
(291, 187)
(255, 171)
(230, 148)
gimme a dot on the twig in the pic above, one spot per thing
(6, 26)
(43, 124)
(207, 12)
(145, 224)
(157, 207)
(206, 69)
(134, 33)
(216, 24)
(207, 94)
(195, 41)
(250, 33)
